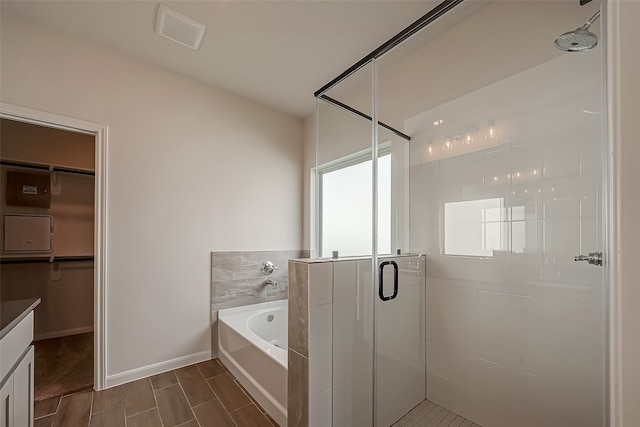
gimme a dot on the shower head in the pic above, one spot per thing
(579, 39)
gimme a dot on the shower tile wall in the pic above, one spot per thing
(236, 280)
(514, 337)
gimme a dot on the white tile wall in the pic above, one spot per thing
(517, 337)
(320, 283)
(527, 334)
(494, 327)
(352, 362)
(320, 326)
(451, 316)
(318, 413)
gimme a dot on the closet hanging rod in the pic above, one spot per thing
(46, 167)
(33, 260)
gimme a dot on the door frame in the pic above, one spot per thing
(100, 132)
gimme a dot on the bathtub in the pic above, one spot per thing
(252, 344)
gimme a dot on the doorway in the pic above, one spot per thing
(69, 275)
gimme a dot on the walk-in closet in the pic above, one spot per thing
(47, 247)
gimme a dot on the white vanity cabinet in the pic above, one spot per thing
(16, 394)
(16, 364)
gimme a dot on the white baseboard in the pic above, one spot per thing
(63, 333)
(156, 368)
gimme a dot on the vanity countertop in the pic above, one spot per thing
(12, 312)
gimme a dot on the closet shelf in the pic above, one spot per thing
(44, 167)
(40, 259)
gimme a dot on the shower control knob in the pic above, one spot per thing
(267, 268)
(594, 258)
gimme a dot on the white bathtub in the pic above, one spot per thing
(252, 343)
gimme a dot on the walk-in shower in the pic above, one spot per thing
(475, 162)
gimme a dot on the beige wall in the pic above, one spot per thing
(45, 145)
(191, 169)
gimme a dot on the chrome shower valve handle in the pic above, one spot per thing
(267, 268)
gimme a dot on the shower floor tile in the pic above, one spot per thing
(429, 414)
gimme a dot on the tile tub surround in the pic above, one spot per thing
(236, 280)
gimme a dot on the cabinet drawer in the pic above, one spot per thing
(14, 344)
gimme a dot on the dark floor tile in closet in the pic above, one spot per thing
(74, 410)
(211, 368)
(173, 406)
(107, 399)
(44, 422)
(250, 416)
(230, 395)
(164, 380)
(46, 406)
(195, 386)
(138, 397)
(63, 365)
(212, 414)
(113, 417)
(149, 418)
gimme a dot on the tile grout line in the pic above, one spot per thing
(246, 393)
(251, 399)
(93, 393)
(220, 400)
(185, 396)
(155, 399)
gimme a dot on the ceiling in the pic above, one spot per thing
(276, 53)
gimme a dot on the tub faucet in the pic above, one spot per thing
(270, 282)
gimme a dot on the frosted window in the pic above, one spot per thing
(346, 200)
(474, 227)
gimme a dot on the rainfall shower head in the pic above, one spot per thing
(579, 39)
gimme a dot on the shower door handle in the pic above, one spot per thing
(381, 281)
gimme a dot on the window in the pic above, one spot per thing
(346, 202)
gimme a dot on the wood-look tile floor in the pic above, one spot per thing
(200, 395)
(428, 414)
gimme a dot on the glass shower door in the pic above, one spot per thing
(399, 286)
(462, 286)
(344, 173)
(504, 188)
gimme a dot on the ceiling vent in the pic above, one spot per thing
(179, 28)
